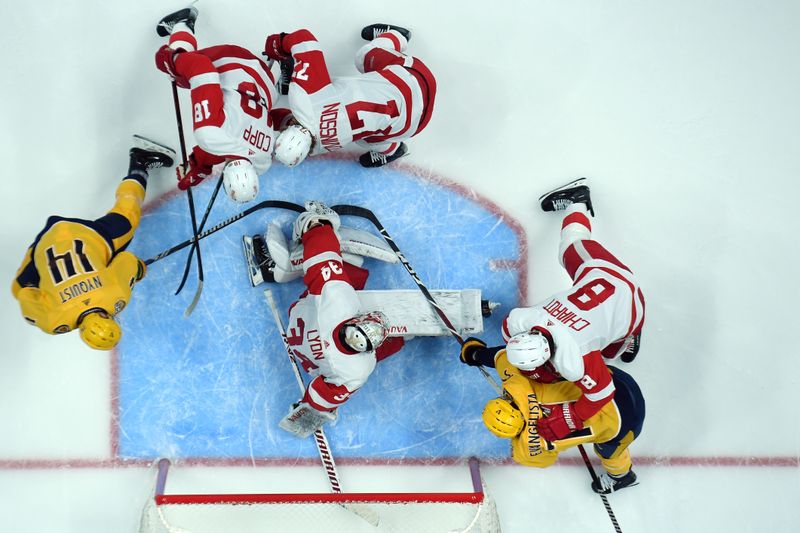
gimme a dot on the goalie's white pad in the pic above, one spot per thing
(410, 314)
(303, 420)
(356, 245)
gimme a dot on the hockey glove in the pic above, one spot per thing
(562, 421)
(193, 175)
(273, 48)
(471, 350)
(165, 62)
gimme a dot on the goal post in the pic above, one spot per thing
(441, 512)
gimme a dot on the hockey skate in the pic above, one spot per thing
(375, 30)
(188, 15)
(574, 192)
(606, 483)
(260, 265)
(376, 159)
(148, 155)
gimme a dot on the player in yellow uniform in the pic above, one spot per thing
(76, 273)
(525, 400)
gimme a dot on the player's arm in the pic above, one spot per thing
(597, 386)
(597, 390)
(521, 320)
(475, 352)
(27, 275)
(310, 69)
(128, 269)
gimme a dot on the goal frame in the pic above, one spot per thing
(476, 497)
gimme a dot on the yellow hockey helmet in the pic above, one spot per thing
(100, 331)
(503, 419)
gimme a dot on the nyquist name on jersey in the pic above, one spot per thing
(73, 291)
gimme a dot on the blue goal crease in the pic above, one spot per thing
(215, 385)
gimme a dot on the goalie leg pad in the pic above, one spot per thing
(303, 420)
(288, 263)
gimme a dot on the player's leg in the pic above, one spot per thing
(180, 28)
(121, 221)
(614, 454)
(387, 47)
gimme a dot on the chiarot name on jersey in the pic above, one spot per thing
(561, 313)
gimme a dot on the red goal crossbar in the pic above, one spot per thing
(474, 497)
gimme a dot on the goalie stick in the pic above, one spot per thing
(320, 439)
(369, 215)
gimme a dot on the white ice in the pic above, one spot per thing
(684, 114)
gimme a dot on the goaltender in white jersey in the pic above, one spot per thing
(335, 341)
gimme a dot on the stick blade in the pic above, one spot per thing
(196, 299)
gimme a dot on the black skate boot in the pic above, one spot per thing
(574, 192)
(375, 30)
(147, 155)
(377, 159)
(260, 264)
(608, 483)
(187, 15)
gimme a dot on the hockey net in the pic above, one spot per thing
(473, 512)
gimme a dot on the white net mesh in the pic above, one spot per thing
(412, 512)
(439, 517)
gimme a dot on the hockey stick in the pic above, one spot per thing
(320, 439)
(603, 496)
(280, 204)
(191, 203)
(369, 215)
(195, 244)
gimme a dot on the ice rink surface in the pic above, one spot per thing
(683, 114)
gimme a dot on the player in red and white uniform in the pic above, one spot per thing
(570, 335)
(391, 101)
(334, 340)
(232, 94)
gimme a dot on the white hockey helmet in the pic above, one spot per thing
(366, 332)
(240, 180)
(528, 351)
(293, 145)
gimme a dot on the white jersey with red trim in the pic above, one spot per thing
(232, 94)
(375, 109)
(603, 308)
(315, 319)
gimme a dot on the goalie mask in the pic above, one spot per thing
(365, 333)
(528, 351)
(293, 145)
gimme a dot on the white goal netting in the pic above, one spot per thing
(473, 512)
